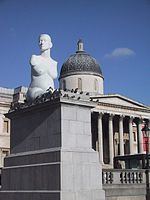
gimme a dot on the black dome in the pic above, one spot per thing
(80, 63)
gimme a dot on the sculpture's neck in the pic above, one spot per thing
(45, 53)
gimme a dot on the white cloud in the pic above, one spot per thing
(120, 52)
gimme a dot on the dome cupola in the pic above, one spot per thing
(80, 63)
(79, 70)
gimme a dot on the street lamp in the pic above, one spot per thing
(146, 129)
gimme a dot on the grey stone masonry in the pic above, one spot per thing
(51, 155)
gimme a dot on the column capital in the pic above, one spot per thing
(111, 116)
(100, 114)
(131, 118)
(140, 120)
(147, 120)
(121, 117)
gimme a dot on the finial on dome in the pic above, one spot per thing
(80, 45)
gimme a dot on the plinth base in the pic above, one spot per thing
(53, 174)
(51, 154)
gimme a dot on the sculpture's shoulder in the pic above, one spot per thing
(53, 62)
(35, 59)
(34, 56)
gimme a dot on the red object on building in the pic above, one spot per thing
(145, 143)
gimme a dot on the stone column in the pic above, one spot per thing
(131, 135)
(121, 143)
(111, 140)
(140, 135)
(100, 137)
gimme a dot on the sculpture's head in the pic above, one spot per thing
(45, 42)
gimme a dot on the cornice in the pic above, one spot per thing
(145, 110)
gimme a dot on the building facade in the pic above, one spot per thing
(7, 97)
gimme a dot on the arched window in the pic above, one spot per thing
(96, 85)
(64, 84)
(79, 83)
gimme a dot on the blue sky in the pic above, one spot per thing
(115, 32)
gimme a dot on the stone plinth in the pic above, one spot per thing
(51, 155)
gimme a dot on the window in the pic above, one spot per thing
(6, 126)
(96, 85)
(64, 84)
(79, 83)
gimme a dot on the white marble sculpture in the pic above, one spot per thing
(43, 69)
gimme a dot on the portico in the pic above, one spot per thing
(119, 127)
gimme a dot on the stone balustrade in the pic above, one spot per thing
(128, 176)
(124, 184)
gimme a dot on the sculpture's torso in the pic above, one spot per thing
(43, 71)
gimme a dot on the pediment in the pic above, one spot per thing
(118, 100)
